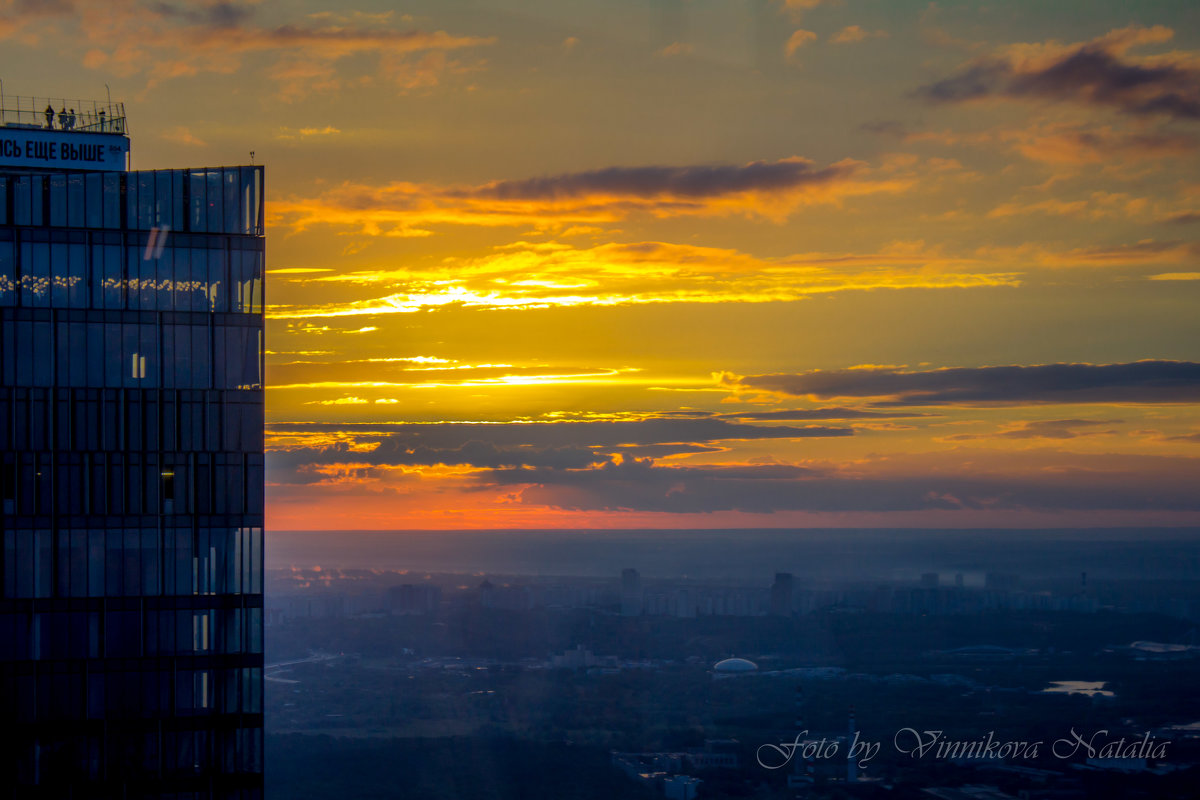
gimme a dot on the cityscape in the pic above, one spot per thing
(1040, 685)
(687, 399)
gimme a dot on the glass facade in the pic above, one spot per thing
(131, 483)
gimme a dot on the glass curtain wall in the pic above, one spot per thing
(131, 482)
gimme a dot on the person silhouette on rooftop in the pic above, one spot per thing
(49, 116)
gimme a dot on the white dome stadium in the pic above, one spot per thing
(735, 665)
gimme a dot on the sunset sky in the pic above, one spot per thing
(719, 263)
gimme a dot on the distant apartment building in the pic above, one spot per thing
(410, 598)
(783, 594)
(631, 593)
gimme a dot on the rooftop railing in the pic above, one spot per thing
(56, 113)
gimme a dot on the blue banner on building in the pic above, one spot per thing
(40, 149)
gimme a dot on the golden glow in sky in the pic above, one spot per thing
(694, 264)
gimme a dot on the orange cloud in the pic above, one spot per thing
(527, 275)
(385, 374)
(1076, 145)
(676, 49)
(1047, 429)
(1070, 144)
(162, 41)
(855, 33)
(1176, 276)
(1099, 205)
(796, 8)
(1144, 253)
(181, 135)
(797, 40)
(765, 189)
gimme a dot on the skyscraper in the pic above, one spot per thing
(783, 594)
(131, 445)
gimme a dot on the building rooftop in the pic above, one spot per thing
(73, 116)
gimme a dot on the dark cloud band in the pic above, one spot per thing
(550, 445)
(658, 181)
(1135, 382)
(1089, 74)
